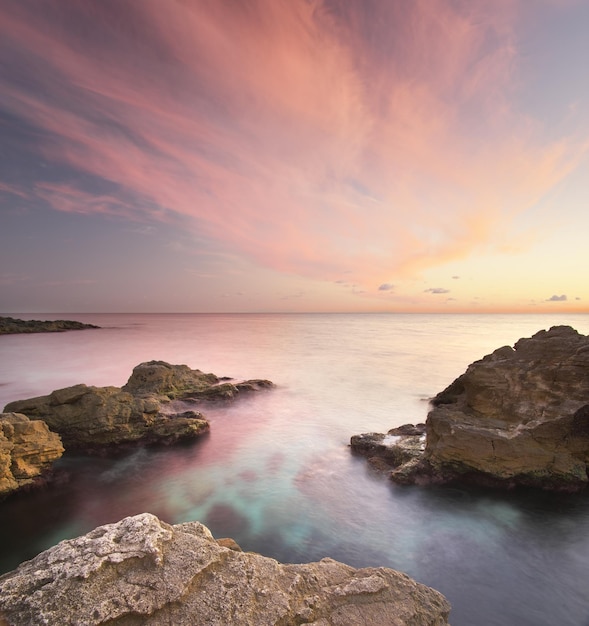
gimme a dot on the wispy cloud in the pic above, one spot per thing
(13, 190)
(71, 199)
(9, 278)
(301, 135)
(68, 283)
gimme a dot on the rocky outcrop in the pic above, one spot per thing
(27, 450)
(143, 571)
(179, 381)
(11, 325)
(92, 418)
(96, 418)
(519, 416)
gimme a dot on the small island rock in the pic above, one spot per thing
(11, 326)
(143, 571)
(27, 450)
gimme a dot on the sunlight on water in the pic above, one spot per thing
(276, 472)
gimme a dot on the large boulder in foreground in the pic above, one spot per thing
(143, 571)
(519, 416)
(27, 450)
(96, 418)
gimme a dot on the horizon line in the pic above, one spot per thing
(413, 312)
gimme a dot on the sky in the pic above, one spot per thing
(294, 155)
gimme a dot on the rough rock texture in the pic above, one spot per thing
(95, 418)
(162, 378)
(519, 416)
(399, 446)
(179, 381)
(27, 450)
(141, 571)
(11, 325)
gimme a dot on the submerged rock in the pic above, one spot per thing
(519, 416)
(11, 325)
(143, 571)
(400, 445)
(96, 418)
(27, 450)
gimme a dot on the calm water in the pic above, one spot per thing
(276, 472)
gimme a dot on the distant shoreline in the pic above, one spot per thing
(13, 326)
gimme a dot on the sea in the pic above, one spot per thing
(276, 472)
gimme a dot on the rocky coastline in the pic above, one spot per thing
(155, 406)
(141, 570)
(11, 326)
(517, 417)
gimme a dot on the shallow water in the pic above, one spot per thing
(276, 472)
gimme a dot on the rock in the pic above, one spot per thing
(92, 418)
(159, 377)
(144, 571)
(11, 325)
(400, 445)
(228, 542)
(519, 416)
(27, 450)
(95, 418)
(179, 381)
(227, 391)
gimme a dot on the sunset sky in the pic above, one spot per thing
(294, 155)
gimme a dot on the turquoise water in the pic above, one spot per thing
(276, 472)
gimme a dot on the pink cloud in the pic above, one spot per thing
(369, 143)
(12, 190)
(71, 199)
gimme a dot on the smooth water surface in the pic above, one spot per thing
(276, 472)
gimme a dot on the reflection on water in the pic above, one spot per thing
(276, 473)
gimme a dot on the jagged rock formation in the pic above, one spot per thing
(94, 418)
(179, 381)
(27, 450)
(11, 325)
(400, 446)
(143, 571)
(519, 416)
